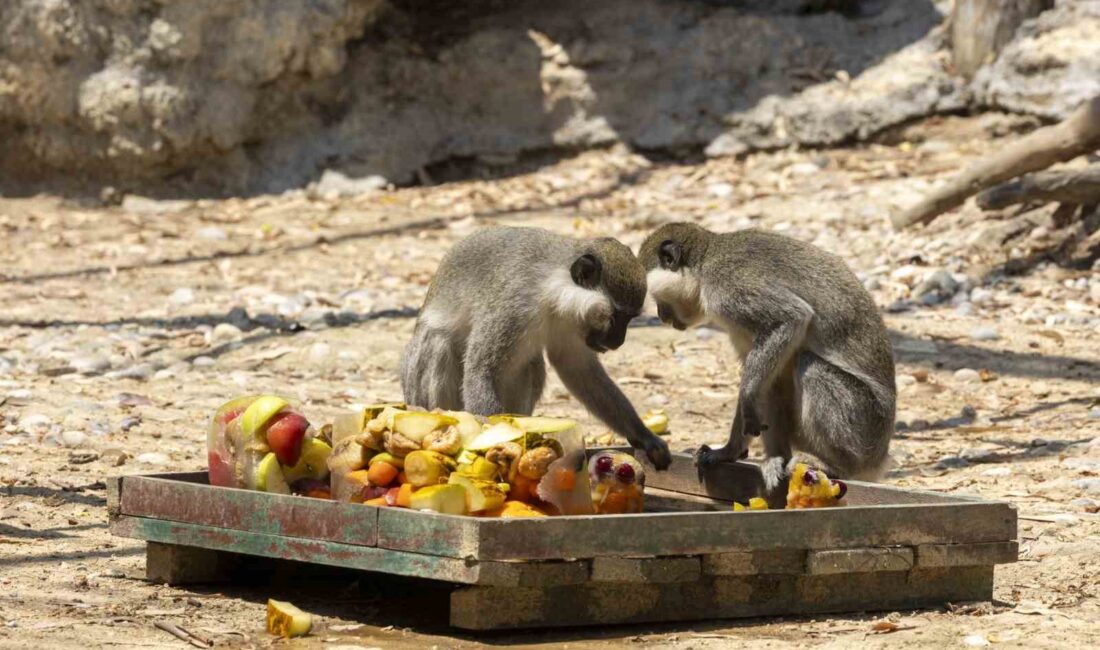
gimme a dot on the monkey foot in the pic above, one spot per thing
(658, 453)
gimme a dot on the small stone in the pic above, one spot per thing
(1095, 415)
(939, 283)
(319, 352)
(975, 641)
(965, 309)
(967, 376)
(905, 380)
(872, 284)
(951, 462)
(930, 299)
(223, 333)
(182, 296)
(997, 471)
(20, 394)
(657, 399)
(334, 183)
(919, 425)
(803, 169)
(1086, 504)
(1040, 389)
(203, 362)
(981, 296)
(898, 306)
(211, 233)
(140, 372)
(984, 334)
(1088, 485)
(73, 438)
(907, 274)
(315, 318)
(720, 190)
(153, 458)
(979, 455)
(128, 423)
(34, 421)
(969, 412)
(143, 205)
(90, 364)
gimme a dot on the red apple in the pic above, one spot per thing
(221, 472)
(230, 415)
(285, 432)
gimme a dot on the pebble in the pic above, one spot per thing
(952, 462)
(907, 274)
(315, 318)
(984, 334)
(1086, 504)
(129, 423)
(90, 364)
(965, 309)
(969, 412)
(319, 352)
(981, 296)
(997, 471)
(979, 455)
(212, 233)
(33, 421)
(1089, 485)
(73, 438)
(203, 362)
(939, 284)
(141, 372)
(182, 296)
(872, 284)
(20, 393)
(967, 375)
(1095, 415)
(720, 190)
(975, 641)
(153, 458)
(905, 380)
(336, 183)
(657, 399)
(223, 333)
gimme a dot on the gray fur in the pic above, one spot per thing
(818, 369)
(500, 300)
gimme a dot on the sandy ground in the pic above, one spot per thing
(123, 328)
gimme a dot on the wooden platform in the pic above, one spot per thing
(690, 558)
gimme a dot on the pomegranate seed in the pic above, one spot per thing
(625, 473)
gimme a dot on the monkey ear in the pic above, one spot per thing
(669, 254)
(586, 271)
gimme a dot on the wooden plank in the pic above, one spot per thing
(859, 560)
(435, 534)
(181, 565)
(366, 558)
(656, 570)
(952, 555)
(260, 512)
(742, 563)
(114, 494)
(696, 533)
(489, 608)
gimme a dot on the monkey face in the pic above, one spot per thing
(613, 275)
(613, 335)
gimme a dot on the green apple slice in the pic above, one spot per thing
(539, 424)
(313, 462)
(259, 412)
(415, 425)
(448, 499)
(269, 476)
(499, 433)
(468, 426)
(481, 494)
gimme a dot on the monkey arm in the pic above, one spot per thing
(583, 374)
(778, 320)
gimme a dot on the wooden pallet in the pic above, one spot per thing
(691, 558)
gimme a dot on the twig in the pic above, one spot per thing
(182, 634)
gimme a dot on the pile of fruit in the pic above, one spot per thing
(808, 488)
(443, 461)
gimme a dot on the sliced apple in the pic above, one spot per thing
(478, 468)
(387, 416)
(468, 425)
(424, 467)
(259, 412)
(656, 421)
(286, 620)
(269, 476)
(517, 509)
(372, 411)
(507, 418)
(415, 425)
(539, 424)
(285, 433)
(481, 494)
(313, 462)
(497, 434)
(447, 499)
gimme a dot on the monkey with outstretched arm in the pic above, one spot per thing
(503, 297)
(817, 365)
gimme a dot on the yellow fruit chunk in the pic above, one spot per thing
(757, 503)
(811, 488)
(515, 510)
(498, 434)
(446, 499)
(478, 468)
(269, 476)
(313, 463)
(386, 457)
(286, 620)
(425, 467)
(259, 412)
(415, 425)
(656, 421)
(481, 494)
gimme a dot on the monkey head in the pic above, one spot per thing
(613, 292)
(671, 256)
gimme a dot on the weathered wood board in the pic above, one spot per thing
(692, 557)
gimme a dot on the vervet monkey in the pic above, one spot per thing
(504, 296)
(817, 366)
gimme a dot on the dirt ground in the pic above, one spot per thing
(122, 329)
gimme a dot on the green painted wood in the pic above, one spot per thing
(488, 608)
(275, 514)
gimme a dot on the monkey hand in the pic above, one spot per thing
(657, 452)
(707, 457)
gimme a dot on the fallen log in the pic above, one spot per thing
(1076, 135)
(1078, 187)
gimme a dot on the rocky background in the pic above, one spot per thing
(220, 97)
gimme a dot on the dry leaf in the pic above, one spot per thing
(1051, 334)
(987, 375)
(884, 627)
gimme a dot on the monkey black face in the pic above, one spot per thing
(609, 333)
(668, 316)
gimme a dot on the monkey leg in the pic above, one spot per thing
(841, 421)
(431, 372)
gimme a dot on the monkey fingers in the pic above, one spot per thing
(657, 452)
(705, 457)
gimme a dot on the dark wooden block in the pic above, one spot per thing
(657, 570)
(859, 560)
(949, 555)
(180, 565)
